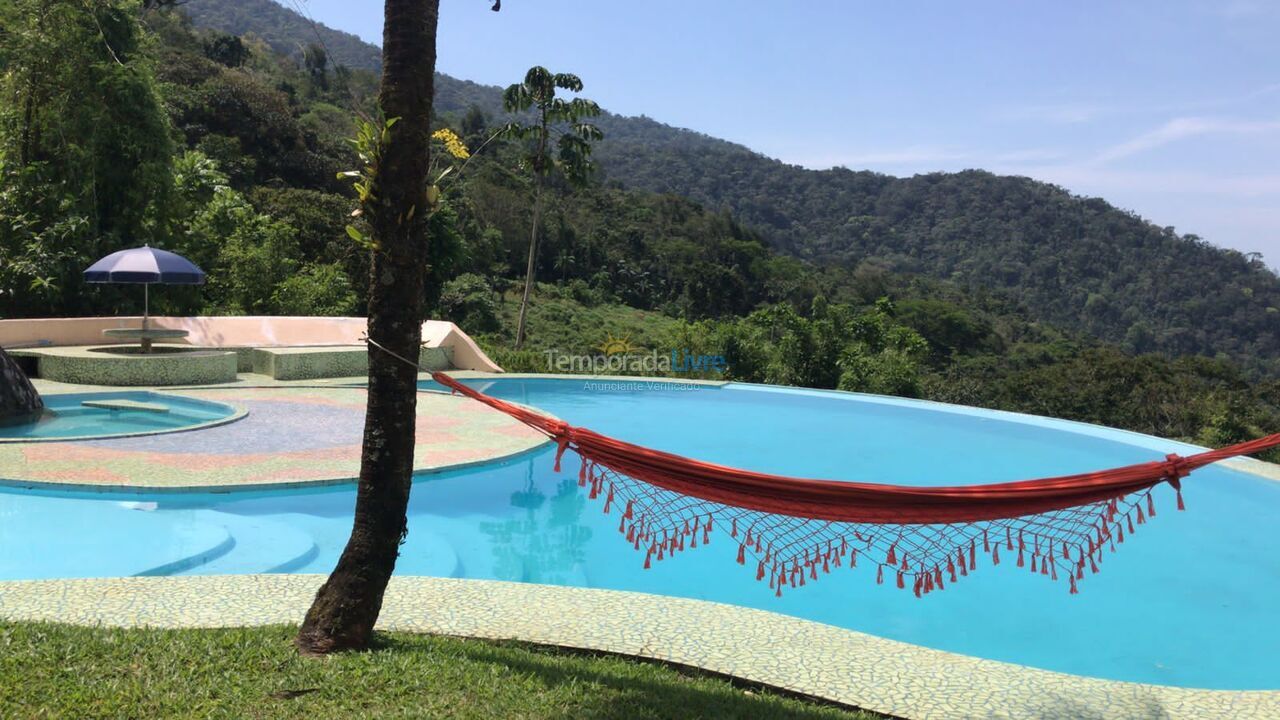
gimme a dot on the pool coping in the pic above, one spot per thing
(237, 413)
(801, 656)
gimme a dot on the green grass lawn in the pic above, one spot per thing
(51, 670)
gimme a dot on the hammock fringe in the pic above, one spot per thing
(798, 530)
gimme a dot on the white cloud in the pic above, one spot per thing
(1180, 129)
(1057, 113)
(913, 156)
(1096, 180)
(1028, 155)
(1242, 9)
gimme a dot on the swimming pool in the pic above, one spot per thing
(1187, 602)
(115, 414)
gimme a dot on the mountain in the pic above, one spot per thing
(286, 31)
(1077, 262)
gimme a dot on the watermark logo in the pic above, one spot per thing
(618, 356)
(617, 346)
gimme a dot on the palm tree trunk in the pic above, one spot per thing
(533, 255)
(347, 605)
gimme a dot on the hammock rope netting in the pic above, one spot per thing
(791, 531)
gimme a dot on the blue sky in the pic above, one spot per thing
(1170, 109)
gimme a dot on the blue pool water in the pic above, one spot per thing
(65, 416)
(1188, 601)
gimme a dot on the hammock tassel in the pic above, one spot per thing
(562, 444)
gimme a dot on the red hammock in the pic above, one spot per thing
(926, 536)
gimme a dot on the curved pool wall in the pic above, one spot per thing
(1186, 602)
(66, 417)
(176, 365)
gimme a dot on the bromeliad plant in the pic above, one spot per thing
(369, 143)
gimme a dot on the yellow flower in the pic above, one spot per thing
(452, 143)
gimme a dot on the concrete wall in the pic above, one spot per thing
(239, 332)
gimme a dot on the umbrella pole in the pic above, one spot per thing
(146, 311)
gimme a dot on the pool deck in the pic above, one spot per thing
(800, 656)
(292, 434)
(299, 433)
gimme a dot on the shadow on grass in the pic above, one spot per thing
(632, 694)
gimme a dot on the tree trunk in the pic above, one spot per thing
(347, 605)
(533, 257)
(18, 397)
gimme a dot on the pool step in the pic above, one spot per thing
(429, 553)
(259, 545)
(101, 538)
(126, 405)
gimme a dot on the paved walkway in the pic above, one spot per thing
(292, 435)
(798, 655)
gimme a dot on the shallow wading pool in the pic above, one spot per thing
(82, 416)
(1188, 601)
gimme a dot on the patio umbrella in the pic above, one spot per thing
(145, 266)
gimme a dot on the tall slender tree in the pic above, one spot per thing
(394, 194)
(558, 140)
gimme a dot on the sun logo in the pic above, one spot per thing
(616, 345)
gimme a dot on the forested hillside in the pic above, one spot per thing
(284, 30)
(221, 148)
(1078, 262)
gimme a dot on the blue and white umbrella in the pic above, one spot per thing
(145, 266)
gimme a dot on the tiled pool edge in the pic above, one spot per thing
(801, 656)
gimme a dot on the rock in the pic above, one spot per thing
(18, 397)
